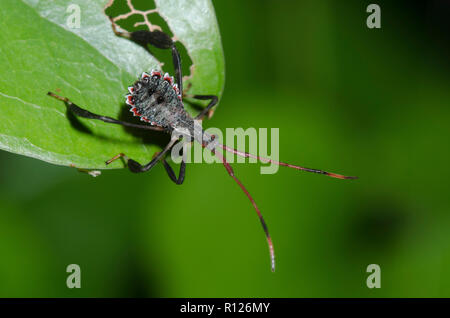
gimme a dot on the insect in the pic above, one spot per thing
(157, 99)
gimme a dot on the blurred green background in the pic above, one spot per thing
(371, 103)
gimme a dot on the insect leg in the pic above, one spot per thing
(214, 99)
(171, 173)
(158, 39)
(177, 66)
(87, 114)
(136, 167)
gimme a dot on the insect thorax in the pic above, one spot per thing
(156, 99)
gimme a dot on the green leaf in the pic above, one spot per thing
(39, 52)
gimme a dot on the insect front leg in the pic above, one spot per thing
(171, 173)
(136, 167)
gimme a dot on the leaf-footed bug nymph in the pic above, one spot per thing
(157, 99)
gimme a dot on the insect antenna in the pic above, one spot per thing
(263, 223)
(267, 160)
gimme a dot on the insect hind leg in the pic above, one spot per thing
(158, 39)
(81, 112)
(208, 109)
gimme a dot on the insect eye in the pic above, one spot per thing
(145, 79)
(160, 99)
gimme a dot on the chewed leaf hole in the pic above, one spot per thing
(144, 4)
(133, 15)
